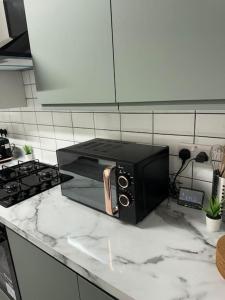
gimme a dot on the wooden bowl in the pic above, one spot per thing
(220, 256)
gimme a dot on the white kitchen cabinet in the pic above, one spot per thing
(169, 49)
(71, 43)
(12, 93)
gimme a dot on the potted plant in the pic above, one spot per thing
(28, 152)
(213, 214)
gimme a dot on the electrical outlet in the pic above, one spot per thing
(195, 149)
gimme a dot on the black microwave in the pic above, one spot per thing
(122, 179)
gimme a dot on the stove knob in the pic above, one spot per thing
(124, 200)
(123, 181)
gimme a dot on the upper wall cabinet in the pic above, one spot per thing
(12, 93)
(169, 49)
(71, 44)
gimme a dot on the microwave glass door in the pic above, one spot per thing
(87, 185)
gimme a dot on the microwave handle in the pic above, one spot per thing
(110, 210)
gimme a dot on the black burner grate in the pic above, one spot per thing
(27, 179)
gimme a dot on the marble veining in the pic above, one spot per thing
(168, 256)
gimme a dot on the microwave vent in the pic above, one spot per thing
(101, 146)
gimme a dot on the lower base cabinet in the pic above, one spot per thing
(41, 277)
(90, 292)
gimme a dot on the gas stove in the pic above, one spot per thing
(27, 179)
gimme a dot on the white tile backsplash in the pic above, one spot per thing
(83, 120)
(48, 144)
(83, 134)
(34, 91)
(33, 141)
(106, 134)
(46, 131)
(16, 116)
(49, 129)
(110, 121)
(142, 138)
(29, 117)
(32, 77)
(211, 125)
(203, 171)
(209, 141)
(136, 122)
(31, 130)
(64, 133)
(175, 164)
(26, 77)
(28, 91)
(5, 116)
(63, 144)
(182, 124)
(49, 157)
(44, 118)
(17, 128)
(62, 119)
(173, 141)
(203, 186)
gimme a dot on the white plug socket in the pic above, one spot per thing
(195, 149)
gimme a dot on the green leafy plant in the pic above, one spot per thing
(27, 149)
(214, 208)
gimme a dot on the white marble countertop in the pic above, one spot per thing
(169, 256)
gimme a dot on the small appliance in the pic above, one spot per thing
(191, 198)
(122, 179)
(6, 150)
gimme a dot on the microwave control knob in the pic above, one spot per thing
(123, 181)
(124, 200)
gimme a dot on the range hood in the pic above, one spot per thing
(15, 51)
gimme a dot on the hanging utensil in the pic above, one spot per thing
(222, 166)
(217, 154)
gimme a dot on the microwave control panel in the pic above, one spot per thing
(125, 183)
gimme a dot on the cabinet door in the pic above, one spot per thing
(71, 43)
(3, 296)
(90, 292)
(169, 49)
(12, 89)
(40, 277)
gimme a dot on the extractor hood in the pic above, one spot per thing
(15, 51)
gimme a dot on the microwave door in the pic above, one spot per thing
(109, 208)
(87, 185)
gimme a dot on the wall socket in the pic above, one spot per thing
(195, 149)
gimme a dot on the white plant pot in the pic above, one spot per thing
(28, 157)
(212, 224)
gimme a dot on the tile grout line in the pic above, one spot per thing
(194, 138)
(153, 128)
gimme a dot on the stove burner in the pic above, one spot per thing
(46, 175)
(26, 168)
(12, 187)
(24, 180)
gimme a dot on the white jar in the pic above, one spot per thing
(28, 157)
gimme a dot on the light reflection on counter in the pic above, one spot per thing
(106, 258)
